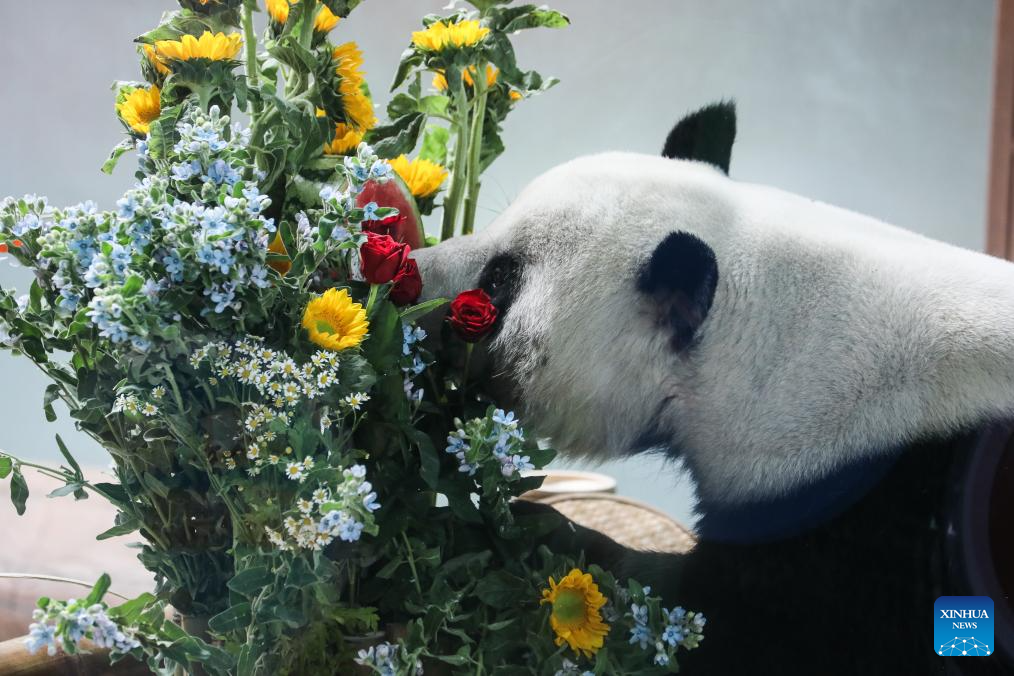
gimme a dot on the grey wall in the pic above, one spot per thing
(878, 105)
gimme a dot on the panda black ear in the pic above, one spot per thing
(680, 278)
(706, 135)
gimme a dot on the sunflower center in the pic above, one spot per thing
(325, 326)
(569, 607)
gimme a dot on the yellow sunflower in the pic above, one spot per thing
(159, 65)
(278, 10)
(440, 81)
(358, 107)
(140, 108)
(422, 177)
(576, 601)
(334, 321)
(212, 46)
(348, 62)
(346, 139)
(439, 35)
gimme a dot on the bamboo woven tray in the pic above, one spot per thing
(630, 522)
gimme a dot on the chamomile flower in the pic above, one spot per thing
(356, 401)
(294, 471)
(157, 392)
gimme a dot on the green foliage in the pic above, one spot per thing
(297, 502)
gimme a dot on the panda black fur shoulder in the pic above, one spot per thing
(814, 368)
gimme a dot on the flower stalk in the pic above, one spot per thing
(459, 171)
(473, 169)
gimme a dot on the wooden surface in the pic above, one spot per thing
(1000, 225)
(16, 661)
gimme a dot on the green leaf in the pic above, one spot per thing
(35, 297)
(399, 138)
(510, 20)
(341, 7)
(410, 58)
(232, 618)
(251, 581)
(434, 144)
(99, 590)
(409, 315)
(52, 394)
(125, 528)
(117, 152)
(19, 491)
(162, 133)
(154, 484)
(500, 589)
(132, 286)
(67, 489)
(68, 457)
(435, 104)
(129, 612)
(483, 5)
(6, 465)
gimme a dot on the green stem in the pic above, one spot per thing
(374, 291)
(458, 175)
(252, 69)
(475, 150)
(411, 563)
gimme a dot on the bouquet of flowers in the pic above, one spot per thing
(315, 487)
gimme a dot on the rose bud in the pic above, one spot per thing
(381, 258)
(472, 315)
(407, 284)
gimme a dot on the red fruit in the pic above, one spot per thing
(407, 225)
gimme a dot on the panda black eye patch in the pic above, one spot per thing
(500, 279)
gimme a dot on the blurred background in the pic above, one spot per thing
(881, 106)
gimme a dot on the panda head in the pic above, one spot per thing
(764, 338)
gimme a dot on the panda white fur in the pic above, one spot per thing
(785, 349)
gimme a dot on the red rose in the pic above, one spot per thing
(390, 226)
(381, 258)
(472, 315)
(407, 284)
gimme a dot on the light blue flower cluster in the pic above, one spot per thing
(498, 438)
(413, 363)
(341, 220)
(388, 659)
(71, 622)
(680, 628)
(193, 228)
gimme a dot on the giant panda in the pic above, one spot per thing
(818, 371)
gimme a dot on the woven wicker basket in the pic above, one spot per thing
(629, 522)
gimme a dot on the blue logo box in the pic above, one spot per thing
(963, 626)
